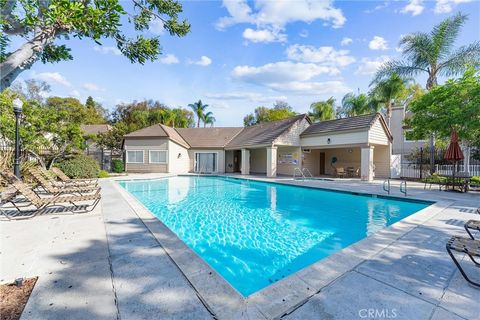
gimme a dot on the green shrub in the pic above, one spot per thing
(103, 174)
(475, 180)
(80, 166)
(117, 166)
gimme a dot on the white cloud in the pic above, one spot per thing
(91, 87)
(312, 88)
(378, 7)
(204, 61)
(346, 41)
(75, 93)
(53, 77)
(251, 96)
(283, 71)
(156, 27)
(446, 6)
(277, 14)
(327, 56)
(369, 66)
(169, 58)
(415, 7)
(378, 43)
(264, 35)
(303, 33)
(293, 77)
(107, 50)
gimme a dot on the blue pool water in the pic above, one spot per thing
(256, 233)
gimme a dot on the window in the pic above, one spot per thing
(134, 156)
(158, 156)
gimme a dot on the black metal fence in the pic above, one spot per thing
(103, 157)
(418, 164)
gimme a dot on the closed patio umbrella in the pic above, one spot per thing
(454, 152)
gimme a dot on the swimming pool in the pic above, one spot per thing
(256, 233)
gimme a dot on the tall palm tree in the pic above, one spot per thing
(356, 104)
(385, 92)
(199, 110)
(433, 53)
(208, 118)
(322, 110)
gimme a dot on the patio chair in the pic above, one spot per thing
(467, 246)
(63, 177)
(42, 204)
(340, 172)
(50, 188)
(472, 225)
(69, 183)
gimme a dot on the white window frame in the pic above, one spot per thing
(216, 162)
(143, 156)
(150, 156)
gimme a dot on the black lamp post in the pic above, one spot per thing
(17, 109)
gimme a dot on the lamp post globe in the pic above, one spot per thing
(17, 109)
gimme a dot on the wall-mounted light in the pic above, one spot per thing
(328, 140)
(179, 156)
(350, 150)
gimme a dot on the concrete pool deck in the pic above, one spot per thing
(113, 264)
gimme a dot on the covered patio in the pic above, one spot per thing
(358, 146)
(355, 161)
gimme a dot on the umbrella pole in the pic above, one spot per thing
(453, 174)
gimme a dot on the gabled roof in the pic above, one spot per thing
(351, 123)
(158, 131)
(208, 137)
(263, 133)
(89, 129)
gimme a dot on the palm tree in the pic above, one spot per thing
(433, 53)
(385, 92)
(322, 110)
(356, 104)
(208, 118)
(199, 109)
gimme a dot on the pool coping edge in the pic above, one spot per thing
(285, 295)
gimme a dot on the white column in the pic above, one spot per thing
(271, 162)
(366, 167)
(245, 169)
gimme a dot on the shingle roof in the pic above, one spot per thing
(351, 123)
(208, 137)
(158, 131)
(263, 133)
(89, 129)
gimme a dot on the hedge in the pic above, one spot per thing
(117, 166)
(80, 166)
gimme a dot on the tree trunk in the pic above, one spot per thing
(39, 159)
(24, 57)
(389, 112)
(431, 81)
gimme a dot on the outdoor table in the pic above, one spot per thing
(460, 176)
(350, 171)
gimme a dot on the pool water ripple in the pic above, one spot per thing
(255, 233)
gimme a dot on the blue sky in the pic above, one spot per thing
(240, 55)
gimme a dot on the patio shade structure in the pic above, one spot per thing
(454, 152)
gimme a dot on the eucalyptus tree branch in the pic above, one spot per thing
(14, 27)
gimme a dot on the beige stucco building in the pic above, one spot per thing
(360, 146)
